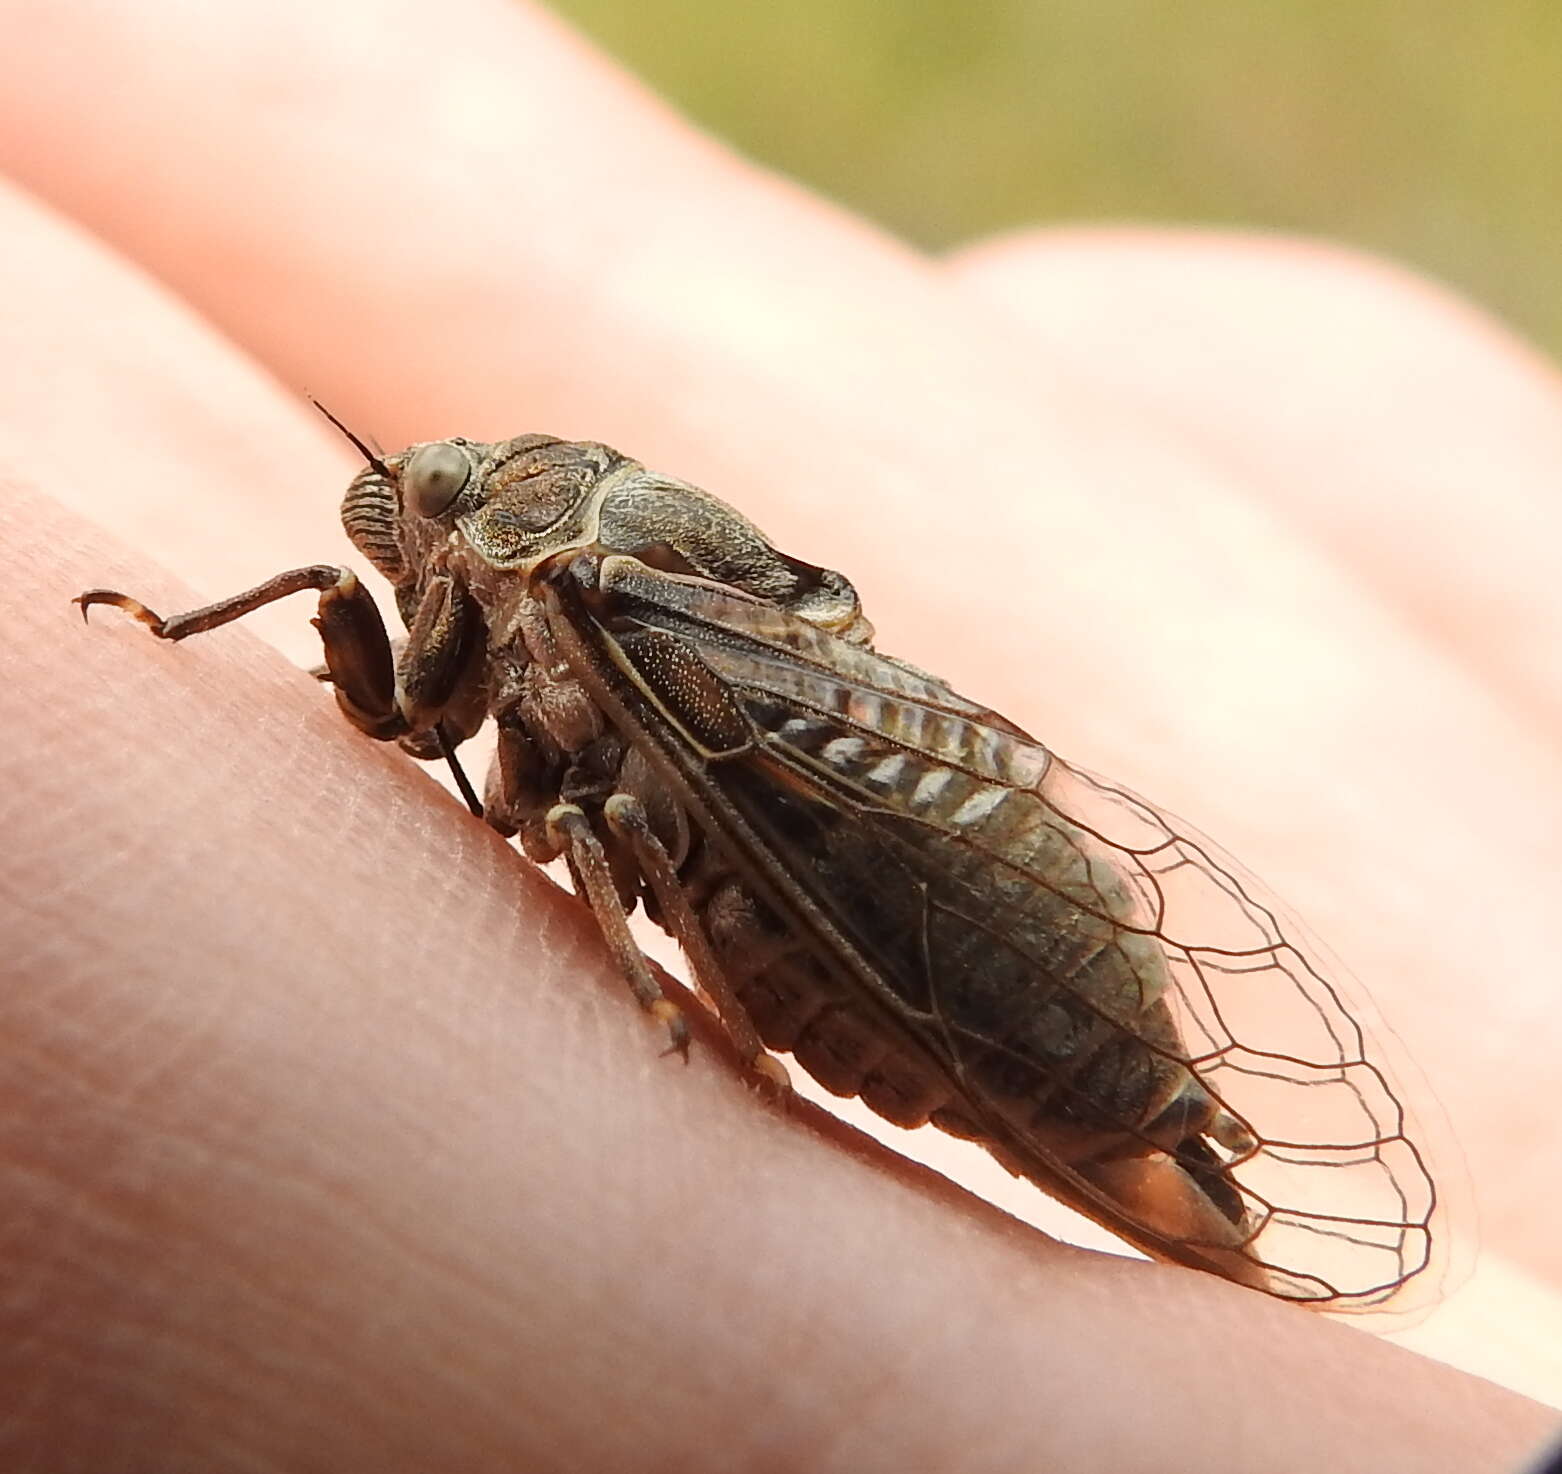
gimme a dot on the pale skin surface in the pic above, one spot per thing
(329, 1140)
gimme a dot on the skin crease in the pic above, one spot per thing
(329, 1139)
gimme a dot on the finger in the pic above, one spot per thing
(1413, 436)
(329, 1163)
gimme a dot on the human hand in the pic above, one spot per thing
(332, 1140)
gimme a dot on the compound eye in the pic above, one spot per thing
(434, 477)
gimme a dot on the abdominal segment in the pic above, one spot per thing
(1020, 1015)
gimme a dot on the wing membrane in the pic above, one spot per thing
(1122, 1012)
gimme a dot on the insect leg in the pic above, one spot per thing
(575, 838)
(627, 818)
(358, 661)
(438, 644)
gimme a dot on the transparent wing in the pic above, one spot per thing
(1124, 1017)
(1339, 1197)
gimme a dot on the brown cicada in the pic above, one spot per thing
(897, 886)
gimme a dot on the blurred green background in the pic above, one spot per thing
(1428, 132)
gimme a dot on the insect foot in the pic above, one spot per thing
(572, 833)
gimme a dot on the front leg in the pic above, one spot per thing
(444, 638)
(358, 659)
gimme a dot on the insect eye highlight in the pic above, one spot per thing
(434, 477)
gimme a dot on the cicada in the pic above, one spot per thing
(917, 900)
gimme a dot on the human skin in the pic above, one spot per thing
(330, 1140)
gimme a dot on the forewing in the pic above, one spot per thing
(1067, 954)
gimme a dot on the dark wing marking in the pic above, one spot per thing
(1119, 1006)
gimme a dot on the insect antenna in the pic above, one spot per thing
(364, 449)
(462, 781)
